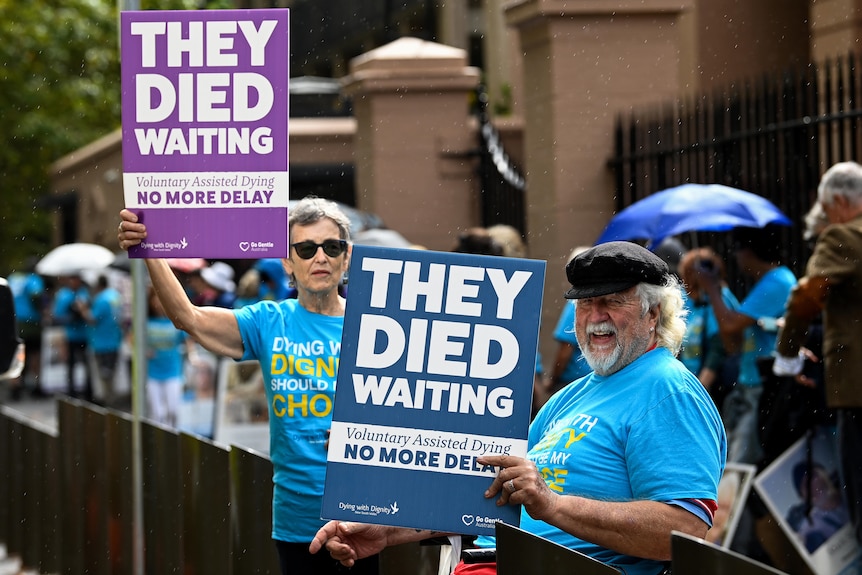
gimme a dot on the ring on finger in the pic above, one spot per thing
(120, 227)
(510, 485)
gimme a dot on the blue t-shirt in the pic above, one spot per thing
(766, 299)
(74, 324)
(565, 333)
(298, 353)
(622, 438)
(106, 333)
(701, 317)
(26, 290)
(164, 349)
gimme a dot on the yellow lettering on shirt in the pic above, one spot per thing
(295, 405)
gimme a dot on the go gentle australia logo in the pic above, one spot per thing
(479, 520)
(256, 246)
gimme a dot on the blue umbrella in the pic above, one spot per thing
(691, 208)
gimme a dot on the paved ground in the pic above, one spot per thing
(41, 409)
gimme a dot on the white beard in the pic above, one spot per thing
(614, 360)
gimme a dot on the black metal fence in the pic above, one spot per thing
(66, 500)
(773, 136)
(66, 503)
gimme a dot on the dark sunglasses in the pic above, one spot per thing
(332, 248)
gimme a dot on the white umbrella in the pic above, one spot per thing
(382, 237)
(72, 259)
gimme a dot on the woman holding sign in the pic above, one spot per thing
(297, 343)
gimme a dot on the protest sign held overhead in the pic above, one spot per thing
(205, 131)
(437, 364)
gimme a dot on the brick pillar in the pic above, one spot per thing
(836, 27)
(411, 101)
(585, 62)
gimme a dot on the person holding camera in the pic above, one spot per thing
(703, 352)
(744, 331)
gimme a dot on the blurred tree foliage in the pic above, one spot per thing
(59, 90)
(185, 4)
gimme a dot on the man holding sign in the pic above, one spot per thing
(621, 457)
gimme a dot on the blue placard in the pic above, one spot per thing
(437, 364)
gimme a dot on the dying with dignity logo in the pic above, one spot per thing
(370, 510)
(165, 246)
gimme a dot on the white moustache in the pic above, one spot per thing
(604, 328)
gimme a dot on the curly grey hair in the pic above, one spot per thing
(670, 327)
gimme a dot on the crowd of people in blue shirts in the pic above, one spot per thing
(88, 316)
(728, 344)
(725, 340)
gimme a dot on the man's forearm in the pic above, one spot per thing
(637, 528)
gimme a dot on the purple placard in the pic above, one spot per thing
(205, 131)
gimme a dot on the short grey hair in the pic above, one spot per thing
(843, 179)
(312, 209)
(670, 327)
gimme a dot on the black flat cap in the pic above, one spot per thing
(612, 267)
